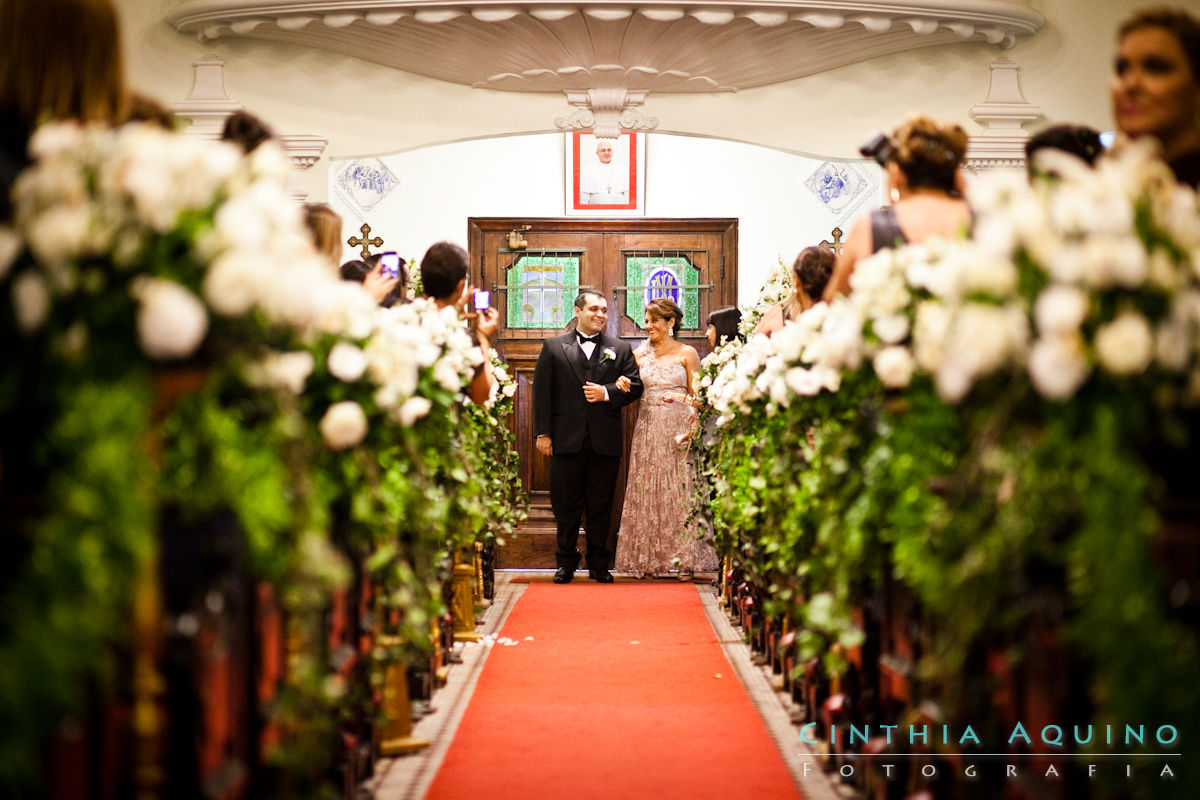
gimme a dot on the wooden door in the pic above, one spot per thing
(534, 289)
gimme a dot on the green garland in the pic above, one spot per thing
(1002, 521)
(66, 615)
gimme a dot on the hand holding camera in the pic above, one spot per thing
(380, 281)
(390, 265)
(479, 309)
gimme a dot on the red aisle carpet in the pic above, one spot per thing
(623, 692)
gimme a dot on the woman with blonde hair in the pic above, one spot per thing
(59, 59)
(325, 225)
(922, 159)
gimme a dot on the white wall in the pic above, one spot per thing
(440, 186)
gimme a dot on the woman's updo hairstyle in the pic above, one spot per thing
(665, 308)
(929, 153)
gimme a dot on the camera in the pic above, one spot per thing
(391, 264)
(483, 300)
(878, 147)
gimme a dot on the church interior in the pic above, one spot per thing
(282, 288)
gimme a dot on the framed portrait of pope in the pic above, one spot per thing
(605, 177)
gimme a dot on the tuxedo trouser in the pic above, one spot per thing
(583, 483)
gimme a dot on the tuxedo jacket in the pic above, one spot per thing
(560, 410)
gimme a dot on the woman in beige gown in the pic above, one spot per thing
(656, 536)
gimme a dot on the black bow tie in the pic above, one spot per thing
(583, 338)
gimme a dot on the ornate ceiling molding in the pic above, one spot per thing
(208, 105)
(644, 45)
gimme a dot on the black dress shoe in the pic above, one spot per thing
(600, 575)
(563, 575)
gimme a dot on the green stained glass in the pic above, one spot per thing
(548, 284)
(662, 276)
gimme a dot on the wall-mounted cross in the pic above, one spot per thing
(836, 244)
(355, 241)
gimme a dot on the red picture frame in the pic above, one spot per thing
(597, 189)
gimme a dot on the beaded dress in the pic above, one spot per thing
(655, 523)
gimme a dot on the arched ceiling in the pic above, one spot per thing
(647, 45)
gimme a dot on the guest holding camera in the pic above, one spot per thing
(383, 275)
(922, 159)
(444, 271)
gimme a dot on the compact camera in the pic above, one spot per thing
(391, 264)
(878, 147)
(483, 300)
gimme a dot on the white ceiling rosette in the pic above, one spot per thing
(639, 46)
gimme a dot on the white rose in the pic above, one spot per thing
(803, 381)
(1058, 366)
(413, 409)
(983, 337)
(892, 328)
(153, 192)
(995, 235)
(10, 246)
(59, 234)
(994, 276)
(1060, 309)
(288, 371)
(344, 425)
(171, 321)
(1064, 261)
(232, 284)
(346, 362)
(894, 366)
(929, 334)
(953, 381)
(31, 301)
(1114, 260)
(54, 139)
(1125, 345)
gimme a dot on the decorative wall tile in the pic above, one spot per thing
(842, 186)
(364, 182)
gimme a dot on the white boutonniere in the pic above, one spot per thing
(609, 353)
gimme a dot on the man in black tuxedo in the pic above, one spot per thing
(577, 417)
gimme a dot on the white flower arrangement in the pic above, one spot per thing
(503, 384)
(1095, 272)
(412, 340)
(98, 207)
(776, 289)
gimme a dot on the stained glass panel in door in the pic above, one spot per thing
(544, 289)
